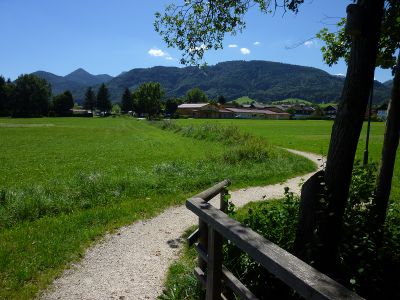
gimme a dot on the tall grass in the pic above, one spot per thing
(242, 146)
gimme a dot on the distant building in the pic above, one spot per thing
(81, 113)
(198, 110)
(302, 111)
(211, 111)
(330, 111)
(243, 113)
(381, 112)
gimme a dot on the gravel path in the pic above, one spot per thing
(132, 263)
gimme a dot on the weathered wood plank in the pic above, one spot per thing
(307, 281)
(213, 191)
(223, 205)
(214, 265)
(203, 242)
(202, 252)
(200, 276)
(193, 237)
(236, 286)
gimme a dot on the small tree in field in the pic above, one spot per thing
(63, 103)
(171, 105)
(90, 100)
(126, 101)
(196, 95)
(103, 99)
(221, 99)
(148, 98)
(30, 97)
(3, 97)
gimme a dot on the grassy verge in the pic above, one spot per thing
(64, 182)
(312, 136)
(181, 282)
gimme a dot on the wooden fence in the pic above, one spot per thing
(215, 225)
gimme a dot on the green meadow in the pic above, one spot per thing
(65, 182)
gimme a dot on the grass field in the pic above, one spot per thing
(311, 136)
(64, 182)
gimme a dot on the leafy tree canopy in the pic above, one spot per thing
(90, 100)
(196, 95)
(221, 99)
(171, 105)
(63, 103)
(30, 96)
(148, 98)
(3, 97)
(337, 44)
(127, 101)
(200, 25)
(103, 99)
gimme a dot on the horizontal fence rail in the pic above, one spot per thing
(215, 225)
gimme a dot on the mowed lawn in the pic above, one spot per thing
(312, 136)
(64, 182)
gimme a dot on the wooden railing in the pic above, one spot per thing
(215, 225)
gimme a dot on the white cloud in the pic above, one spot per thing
(256, 43)
(198, 48)
(232, 46)
(245, 51)
(340, 74)
(169, 58)
(308, 43)
(157, 52)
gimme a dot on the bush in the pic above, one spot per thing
(366, 268)
(276, 220)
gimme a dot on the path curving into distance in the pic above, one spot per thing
(132, 262)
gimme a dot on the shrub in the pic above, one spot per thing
(365, 268)
(276, 220)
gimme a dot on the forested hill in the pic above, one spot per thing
(260, 80)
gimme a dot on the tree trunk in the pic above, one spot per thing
(346, 130)
(311, 208)
(390, 144)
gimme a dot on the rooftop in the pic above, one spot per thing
(192, 105)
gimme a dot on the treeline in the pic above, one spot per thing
(30, 96)
(148, 100)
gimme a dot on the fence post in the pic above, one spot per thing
(214, 268)
(203, 242)
(222, 203)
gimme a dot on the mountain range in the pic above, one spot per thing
(263, 81)
(77, 82)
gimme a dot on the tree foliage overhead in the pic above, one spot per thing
(337, 44)
(199, 25)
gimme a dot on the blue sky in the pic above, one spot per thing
(112, 36)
